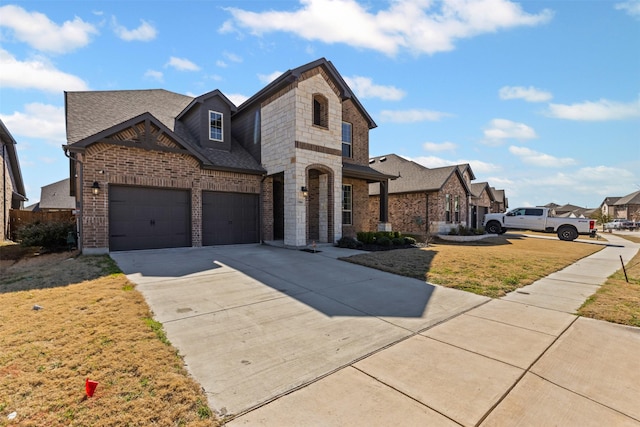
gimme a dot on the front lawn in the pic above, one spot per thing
(492, 267)
(66, 318)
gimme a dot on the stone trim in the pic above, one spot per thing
(318, 148)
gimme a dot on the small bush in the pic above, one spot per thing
(397, 241)
(366, 237)
(348, 242)
(409, 240)
(49, 235)
(383, 241)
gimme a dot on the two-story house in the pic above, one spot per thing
(157, 169)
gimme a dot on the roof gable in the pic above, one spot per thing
(295, 74)
(414, 177)
(629, 199)
(202, 99)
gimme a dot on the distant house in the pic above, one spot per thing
(607, 207)
(482, 199)
(54, 198)
(421, 196)
(628, 207)
(13, 191)
(500, 201)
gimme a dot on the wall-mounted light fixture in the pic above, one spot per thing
(304, 191)
(95, 188)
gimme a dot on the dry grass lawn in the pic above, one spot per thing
(617, 300)
(92, 324)
(491, 267)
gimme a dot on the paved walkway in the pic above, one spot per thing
(524, 359)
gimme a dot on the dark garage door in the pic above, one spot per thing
(229, 218)
(148, 218)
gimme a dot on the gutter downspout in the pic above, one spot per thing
(80, 199)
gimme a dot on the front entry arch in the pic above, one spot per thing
(320, 199)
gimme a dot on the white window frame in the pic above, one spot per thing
(447, 208)
(211, 137)
(348, 143)
(348, 208)
(456, 208)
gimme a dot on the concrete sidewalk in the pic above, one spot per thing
(281, 337)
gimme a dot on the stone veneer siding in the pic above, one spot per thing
(146, 168)
(292, 144)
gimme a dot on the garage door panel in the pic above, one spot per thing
(229, 218)
(148, 218)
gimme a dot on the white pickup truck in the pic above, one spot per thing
(538, 219)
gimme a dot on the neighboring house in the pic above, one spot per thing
(628, 207)
(13, 191)
(158, 169)
(482, 200)
(500, 201)
(54, 198)
(607, 207)
(421, 197)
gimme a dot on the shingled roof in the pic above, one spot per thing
(91, 113)
(477, 188)
(629, 199)
(413, 177)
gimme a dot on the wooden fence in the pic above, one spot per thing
(18, 218)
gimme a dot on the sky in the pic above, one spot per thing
(541, 98)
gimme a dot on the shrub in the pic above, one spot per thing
(366, 237)
(383, 241)
(49, 235)
(409, 240)
(397, 241)
(349, 243)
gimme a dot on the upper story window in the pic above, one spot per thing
(215, 126)
(346, 139)
(320, 111)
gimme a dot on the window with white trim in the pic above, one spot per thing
(215, 126)
(347, 130)
(347, 204)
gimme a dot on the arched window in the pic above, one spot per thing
(320, 110)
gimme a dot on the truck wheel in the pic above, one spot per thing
(493, 227)
(567, 233)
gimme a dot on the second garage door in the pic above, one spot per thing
(229, 218)
(148, 218)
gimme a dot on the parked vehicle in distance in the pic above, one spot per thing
(620, 224)
(538, 219)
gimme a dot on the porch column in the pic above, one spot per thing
(384, 201)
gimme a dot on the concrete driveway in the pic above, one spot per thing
(255, 322)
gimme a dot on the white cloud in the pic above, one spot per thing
(37, 30)
(632, 7)
(418, 26)
(154, 75)
(36, 74)
(438, 147)
(268, 78)
(412, 116)
(144, 33)
(237, 98)
(602, 110)
(40, 121)
(536, 158)
(500, 130)
(530, 94)
(182, 64)
(365, 88)
(232, 57)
